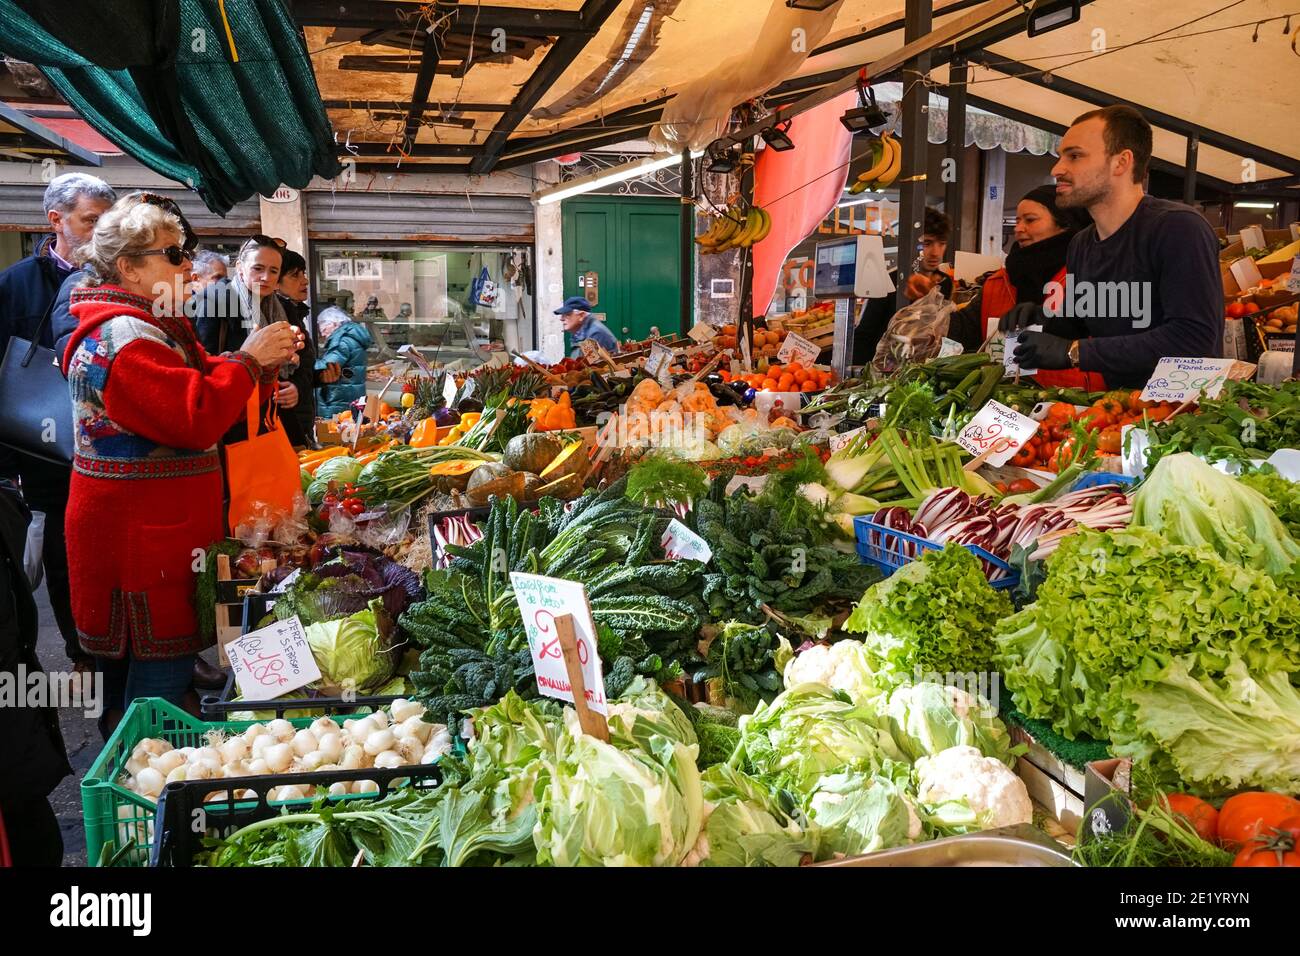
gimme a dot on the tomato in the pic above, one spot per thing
(1111, 440)
(356, 508)
(1046, 451)
(1022, 486)
(331, 499)
(1060, 411)
(1159, 413)
(1024, 457)
(1271, 848)
(1203, 817)
(1135, 403)
(1242, 817)
(1064, 454)
(1236, 310)
(1251, 308)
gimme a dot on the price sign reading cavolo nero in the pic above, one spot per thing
(681, 542)
(1178, 380)
(273, 661)
(998, 430)
(541, 600)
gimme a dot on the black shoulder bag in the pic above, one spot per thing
(35, 405)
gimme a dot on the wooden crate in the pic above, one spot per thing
(230, 603)
(1051, 782)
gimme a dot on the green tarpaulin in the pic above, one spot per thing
(218, 96)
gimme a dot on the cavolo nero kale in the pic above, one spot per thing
(474, 646)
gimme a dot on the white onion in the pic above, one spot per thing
(236, 748)
(361, 729)
(258, 767)
(149, 782)
(151, 747)
(177, 773)
(365, 786)
(281, 729)
(261, 744)
(353, 757)
(236, 768)
(287, 792)
(324, 725)
(410, 749)
(438, 745)
(278, 757)
(379, 718)
(331, 745)
(415, 727)
(389, 759)
(252, 732)
(403, 709)
(379, 741)
(199, 770)
(204, 753)
(338, 790)
(329, 766)
(304, 742)
(167, 762)
(218, 795)
(312, 761)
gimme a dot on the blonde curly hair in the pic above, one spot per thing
(130, 227)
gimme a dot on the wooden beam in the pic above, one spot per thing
(466, 20)
(594, 14)
(510, 162)
(609, 124)
(429, 57)
(363, 103)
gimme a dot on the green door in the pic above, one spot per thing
(633, 244)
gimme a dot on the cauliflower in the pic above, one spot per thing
(995, 795)
(842, 666)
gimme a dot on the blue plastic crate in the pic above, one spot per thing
(1095, 478)
(892, 550)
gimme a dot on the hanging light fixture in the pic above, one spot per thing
(721, 159)
(778, 137)
(811, 4)
(1046, 15)
(867, 114)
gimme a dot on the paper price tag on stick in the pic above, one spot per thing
(797, 348)
(1009, 353)
(659, 360)
(996, 433)
(541, 601)
(702, 332)
(681, 542)
(590, 351)
(272, 661)
(1179, 380)
(842, 439)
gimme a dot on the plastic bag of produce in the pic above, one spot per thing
(915, 333)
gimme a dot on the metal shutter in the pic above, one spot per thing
(419, 217)
(21, 209)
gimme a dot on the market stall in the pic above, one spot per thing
(819, 620)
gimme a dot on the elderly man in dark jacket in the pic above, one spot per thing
(73, 204)
(32, 756)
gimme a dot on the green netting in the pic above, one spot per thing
(160, 80)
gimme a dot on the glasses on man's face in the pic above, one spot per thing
(175, 254)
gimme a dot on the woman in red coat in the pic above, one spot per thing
(148, 408)
(1036, 258)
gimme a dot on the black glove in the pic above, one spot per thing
(1040, 350)
(1021, 316)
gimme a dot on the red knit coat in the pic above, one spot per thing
(149, 406)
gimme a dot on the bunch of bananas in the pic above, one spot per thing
(886, 163)
(736, 229)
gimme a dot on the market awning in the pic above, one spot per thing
(581, 75)
(24, 139)
(217, 95)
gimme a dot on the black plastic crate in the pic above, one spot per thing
(221, 705)
(184, 818)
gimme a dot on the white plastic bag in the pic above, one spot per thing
(33, 562)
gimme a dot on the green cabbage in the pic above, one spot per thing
(644, 711)
(927, 718)
(1190, 502)
(857, 813)
(811, 730)
(351, 653)
(604, 806)
(342, 468)
(745, 826)
(933, 617)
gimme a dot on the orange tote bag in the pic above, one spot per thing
(262, 468)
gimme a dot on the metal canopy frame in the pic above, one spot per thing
(35, 136)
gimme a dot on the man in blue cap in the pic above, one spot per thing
(581, 325)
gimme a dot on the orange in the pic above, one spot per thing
(769, 385)
(794, 368)
(801, 376)
(807, 385)
(785, 383)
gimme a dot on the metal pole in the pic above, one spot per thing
(956, 146)
(915, 121)
(1189, 169)
(746, 255)
(687, 267)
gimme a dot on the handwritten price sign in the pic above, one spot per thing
(997, 431)
(541, 600)
(1179, 380)
(796, 347)
(679, 541)
(273, 661)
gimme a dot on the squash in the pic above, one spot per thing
(570, 461)
(532, 452)
(565, 488)
(455, 468)
(532, 486)
(488, 479)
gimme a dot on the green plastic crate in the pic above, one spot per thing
(119, 823)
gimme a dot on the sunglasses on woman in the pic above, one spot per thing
(191, 241)
(259, 240)
(175, 254)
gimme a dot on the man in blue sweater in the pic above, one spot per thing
(575, 315)
(73, 204)
(1142, 283)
